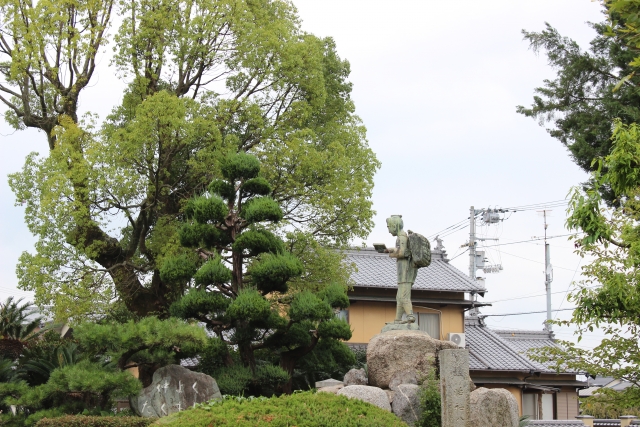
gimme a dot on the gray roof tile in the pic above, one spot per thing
(376, 270)
(489, 351)
(556, 423)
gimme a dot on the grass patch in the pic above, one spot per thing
(305, 409)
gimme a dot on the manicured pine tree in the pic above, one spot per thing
(240, 277)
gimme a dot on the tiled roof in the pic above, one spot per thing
(489, 351)
(376, 270)
(522, 341)
(556, 423)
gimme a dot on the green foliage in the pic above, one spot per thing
(93, 421)
(71, 388)
(259, 186)
(272, 272)
(607, 403)
(212, 272)
(262, 209)
(16, 329)
(430, 400)
(286, 99)
(178, 269)
(249, 307)
(206, 209)
(198, 303)
(301, 409)
(524, 421)
(257, 241)
(583, 99)
(609, 297)
(239, 167)
(150, 338)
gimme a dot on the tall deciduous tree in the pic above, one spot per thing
(207, 78)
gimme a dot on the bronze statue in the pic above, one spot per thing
(406, 270)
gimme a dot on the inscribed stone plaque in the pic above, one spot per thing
(174, 389)
(454, 386)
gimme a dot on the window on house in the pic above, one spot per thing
(343, 314)
(530, 405)
(430, 323)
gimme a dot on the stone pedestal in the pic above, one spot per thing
(397, 351)
(400, 327)
(454, 387)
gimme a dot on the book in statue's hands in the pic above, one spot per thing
(380, 247)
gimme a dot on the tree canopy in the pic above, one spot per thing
(591, 89)
(205, 79)
(609, 297)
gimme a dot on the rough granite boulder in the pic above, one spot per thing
(356, 377)
(493, 407)
(331, 389)
(392, 352)
(374, 395)
(406, 403)
(174, 389)
(405, 377)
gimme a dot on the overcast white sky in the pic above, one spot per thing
(436, 83)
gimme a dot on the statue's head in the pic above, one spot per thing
(395, 224)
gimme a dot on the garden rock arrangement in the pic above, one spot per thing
(393, 352)
(374, 395)
(493, 407)
(356, 377)
(174, 389)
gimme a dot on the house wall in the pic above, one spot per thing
(367, 318)
(567, 404)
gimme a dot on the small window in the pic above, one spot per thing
(430, 323)
(343, 314)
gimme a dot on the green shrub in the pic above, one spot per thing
(299, 409)
(84, 421)
(430, 400)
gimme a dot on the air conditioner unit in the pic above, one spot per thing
(457, 338)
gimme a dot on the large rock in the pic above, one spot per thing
(174, 389)
(398, 351)
(356, 377)
(492, 407)
(331, 389)
(405, 377)
(374, 395)
(406, 403)
(330, 382)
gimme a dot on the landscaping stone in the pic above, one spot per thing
(404, 377)
(493, 407)
(390, 394)
(174, 389)
(374, 395)
(356, 377)
(399, 351)
(331, 389)
(406, 403)
(328, 383)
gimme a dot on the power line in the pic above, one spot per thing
(533, 260)
(528, 312)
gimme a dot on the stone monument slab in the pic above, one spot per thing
(454, 387)
(174, 389)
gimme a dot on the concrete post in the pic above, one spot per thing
(587, 420)
(625, 420)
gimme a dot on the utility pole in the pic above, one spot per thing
(548, 271)
(472, 243)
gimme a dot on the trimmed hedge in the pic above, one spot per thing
(306, 409)
(88, 421)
